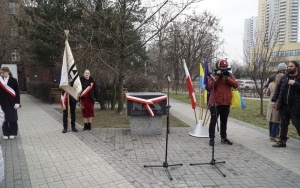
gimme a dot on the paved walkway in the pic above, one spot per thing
(42, 156)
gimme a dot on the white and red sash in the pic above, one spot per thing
(87, 90)
(146, 102)
(63, 100)
(6, 88)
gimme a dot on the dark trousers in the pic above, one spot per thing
(73, 115)
(215, 112)
(287, 114)
(10, 128)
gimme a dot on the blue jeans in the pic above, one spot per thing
(273, 129)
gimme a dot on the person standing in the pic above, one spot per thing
(281, 68)
(287, 100)
(220, 100)
(64, 105)
(87, 99)
(272, 112)
(1, 111)
(10, 102)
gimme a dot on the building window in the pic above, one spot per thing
(14, 32)
(13, 8)
(15, 56)
(30, 3)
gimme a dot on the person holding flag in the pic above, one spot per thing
(71, 86)
(220, 100)
(65, 106)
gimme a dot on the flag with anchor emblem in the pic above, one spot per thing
(70, 81)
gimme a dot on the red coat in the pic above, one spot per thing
(222, 90)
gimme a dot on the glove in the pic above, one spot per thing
(17, 106)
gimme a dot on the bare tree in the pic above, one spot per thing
(123, 15)
(262, 60)
(194, 39)
(7, 26)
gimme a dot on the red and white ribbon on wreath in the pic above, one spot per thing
(146, 102)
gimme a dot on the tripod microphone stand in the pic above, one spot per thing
(165, 163)
(213, 160)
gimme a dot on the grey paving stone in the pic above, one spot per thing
(43, 157)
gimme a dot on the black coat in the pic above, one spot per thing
(282, 87)
(93, 93)
(8, 102)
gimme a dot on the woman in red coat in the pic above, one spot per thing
(87, 99)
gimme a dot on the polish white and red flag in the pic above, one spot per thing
(190, 85)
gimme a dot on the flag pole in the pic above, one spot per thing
(200, 109)
(195, 116)
(69, 114)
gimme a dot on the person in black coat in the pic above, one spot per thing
(10, 102)
(287, 100)
(64, 105)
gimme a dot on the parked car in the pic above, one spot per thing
(246, 84)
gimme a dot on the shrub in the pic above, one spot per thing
(41, 90)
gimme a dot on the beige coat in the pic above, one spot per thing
(272, 113)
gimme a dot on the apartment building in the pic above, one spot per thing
(250, 35)
(12, 44)
(278, 21)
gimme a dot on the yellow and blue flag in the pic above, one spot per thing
(201, 78)
(206, 89)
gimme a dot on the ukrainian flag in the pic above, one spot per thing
(201, 78)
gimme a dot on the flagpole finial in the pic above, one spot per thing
(67, 33)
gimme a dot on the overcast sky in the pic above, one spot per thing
(232, 14)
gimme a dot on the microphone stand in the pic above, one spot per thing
(213, 160)
(165, 163)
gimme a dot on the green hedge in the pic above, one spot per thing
(41, 90)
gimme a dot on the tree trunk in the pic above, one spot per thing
(261, 95)
(120, 85)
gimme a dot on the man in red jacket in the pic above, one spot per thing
(220, 100)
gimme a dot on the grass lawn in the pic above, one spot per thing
(249, 115)
(110, 119)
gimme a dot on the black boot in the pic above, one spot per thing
(89, 126)
(85, 126)
(281, 144)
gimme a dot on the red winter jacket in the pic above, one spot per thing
(222, 90)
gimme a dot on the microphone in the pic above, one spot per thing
(212, 76)
(168, 78)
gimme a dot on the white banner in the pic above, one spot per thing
(70, 81)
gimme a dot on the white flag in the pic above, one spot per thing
(69, 80)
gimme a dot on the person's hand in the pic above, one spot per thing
(17, 106)
(291, 82)
(82, 107)
(265, 90)
(219, 72)
(273, 104)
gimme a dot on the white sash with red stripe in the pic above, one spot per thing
(6, 88)
(87, 90)
(63, 100)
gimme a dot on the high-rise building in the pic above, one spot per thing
(250, 34)
(278, 21)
